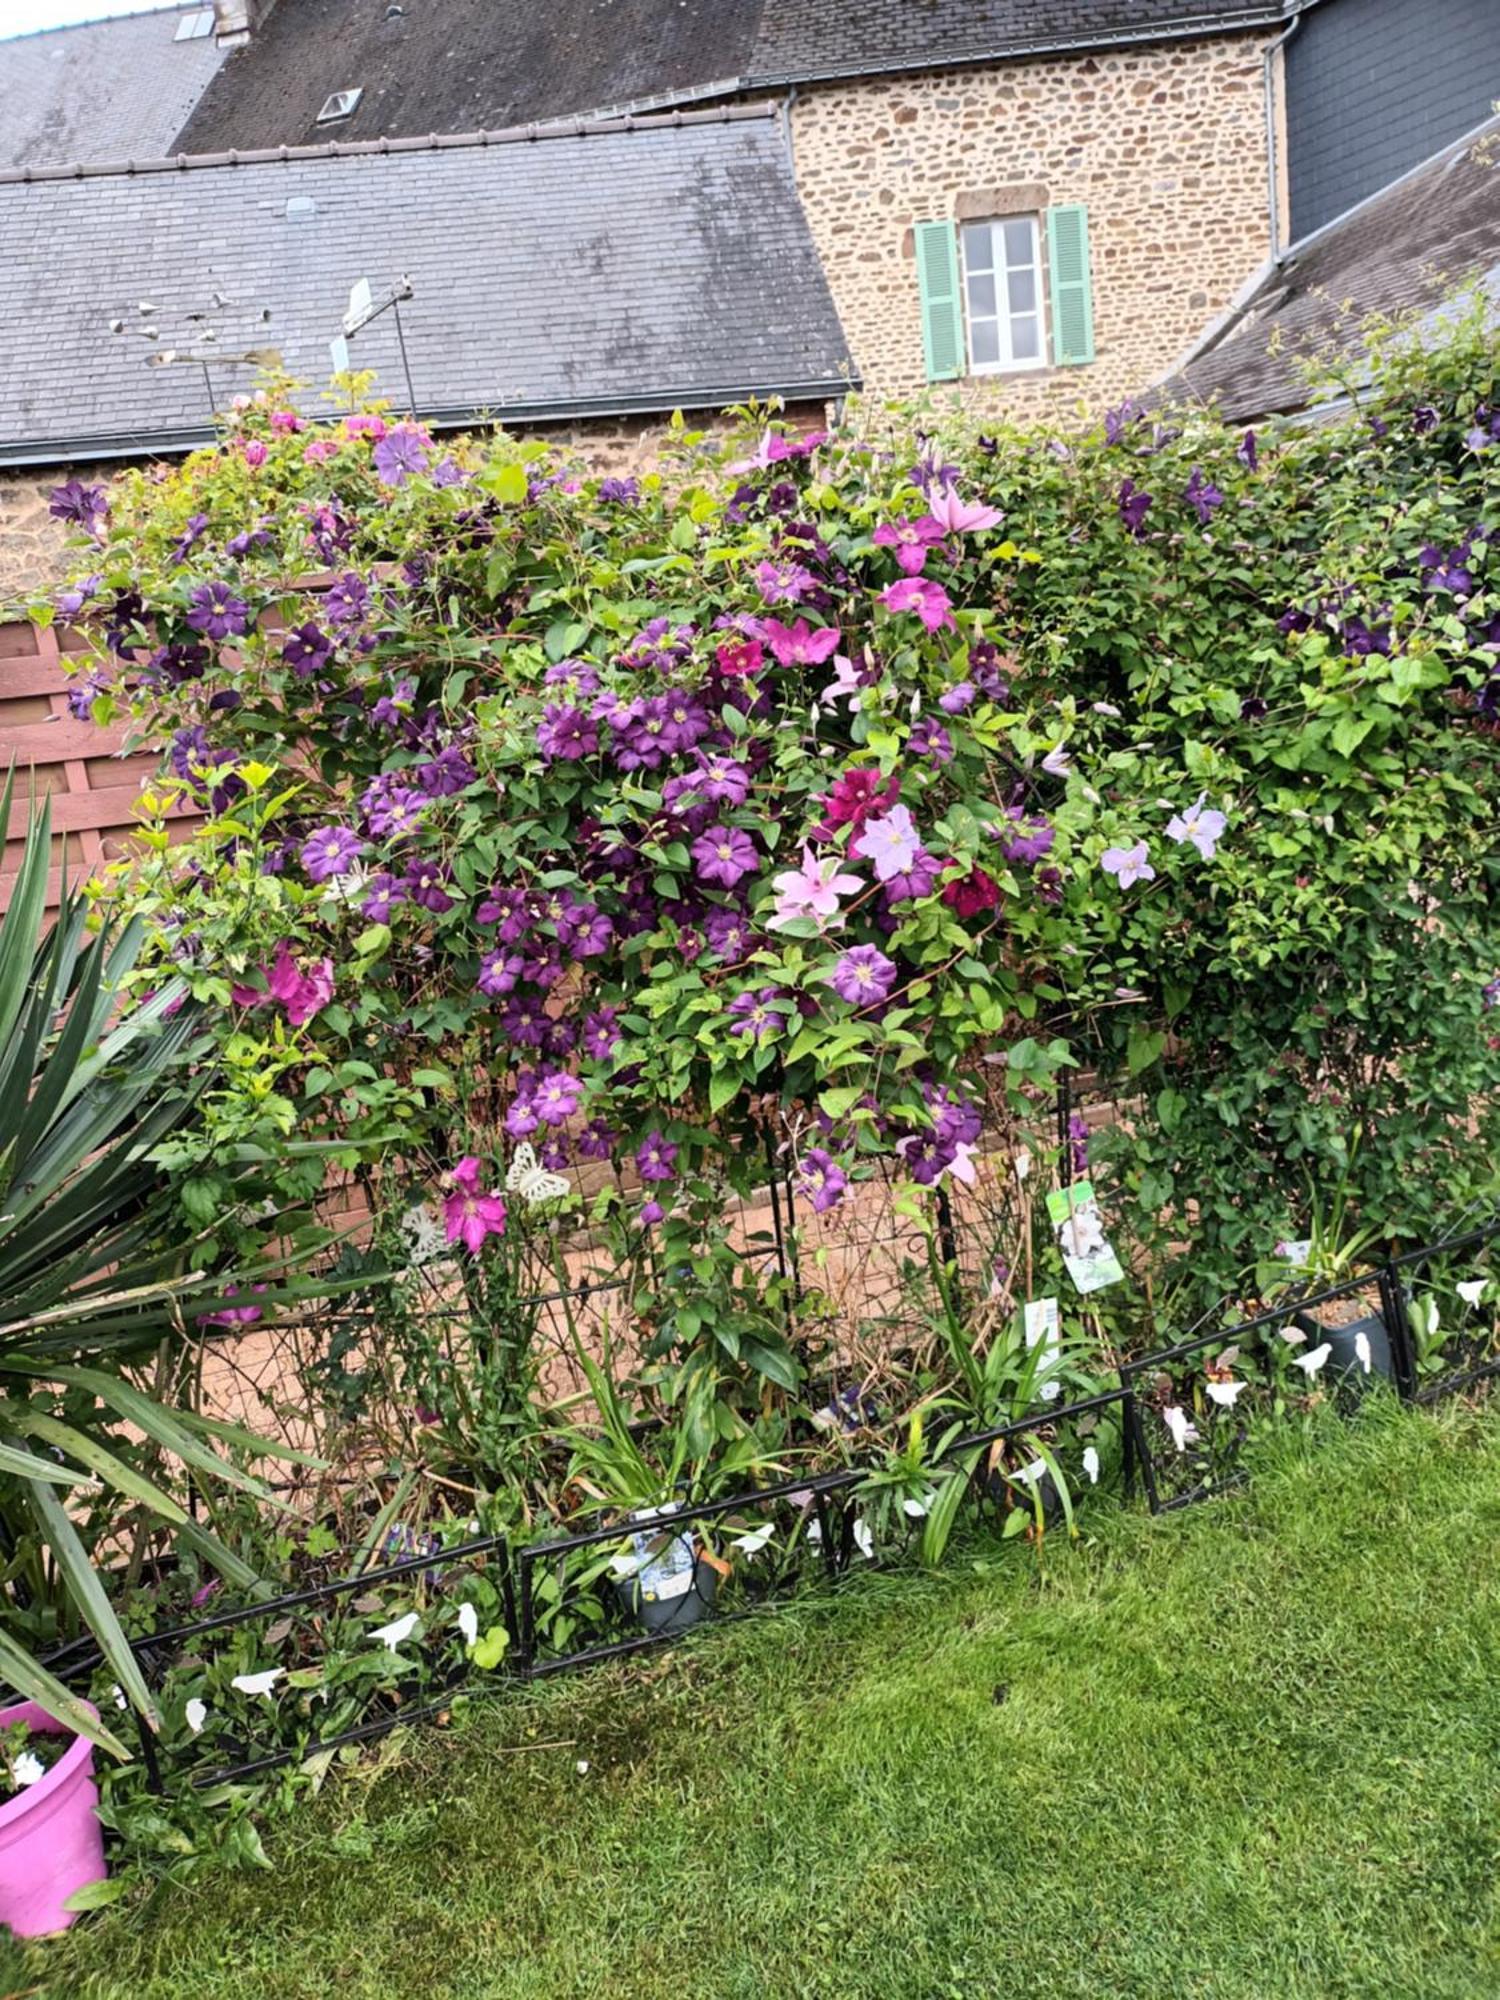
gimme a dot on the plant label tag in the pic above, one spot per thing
(1041, 1326)
(1295, 1250)
(1087, 1252)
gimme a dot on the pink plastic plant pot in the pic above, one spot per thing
(51, 1843)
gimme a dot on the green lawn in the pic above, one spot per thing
(1248, 1752)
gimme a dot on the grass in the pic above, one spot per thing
(1247, 1752)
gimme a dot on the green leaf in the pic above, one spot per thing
(490, 1647)
(723, 1088)
(509, 484)
(1143, 1048)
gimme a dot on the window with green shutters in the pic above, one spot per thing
(1072, 289)
(980, 287)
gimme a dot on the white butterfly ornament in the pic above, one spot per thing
(532, 1182)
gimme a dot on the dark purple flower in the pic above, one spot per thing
(71, 601)
(910, 885)
(330, 851)
(656, 1158)
(427, 885)
(215, 611)
(619, 492)
(189, 539)
(382, 894)
(1202, 496)
(1246, 451)
(1424, 418)
(393, 709)
(523, 1019)
(930, 739)
(1024, 840)
(754, 1015)
(246, 540)
(723, 781)
(596, 1141)
(347, 601)
(821, 1179)
(725, 854)
(448, 773)
(862, 975)
(1134, 506)
(601, 1037)
(86, 506)
(307, 650)
(566, 732)
(509, 910)
(498, 973)
(728, 934)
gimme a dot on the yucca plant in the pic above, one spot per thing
(92, 1275)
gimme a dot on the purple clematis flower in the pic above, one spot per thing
(307, 650)
(821, 1179)
(725, 854)
(426, 885)
(347, 601)
(399, 454)
(783, 582)
(557, 1097)
(567, 733)
(954, 700)
(862, 975)
(216, 612)
(930, 739)
(330, 851)
(656, 1158)
(1134, 506)
(753, 1016)
(86, 506)
(1202, 496)
(601, 1036)
(890, 842)
(498, 973)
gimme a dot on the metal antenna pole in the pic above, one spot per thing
(411, 394)
(208, 383)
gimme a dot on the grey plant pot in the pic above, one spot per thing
(1343, 1358)
(670, 1614)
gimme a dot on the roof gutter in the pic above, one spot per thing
(1273, 158)
(173, 439)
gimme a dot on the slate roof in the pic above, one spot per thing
(642, 266)
(451, 65)
(1399, 252)
(107, 90)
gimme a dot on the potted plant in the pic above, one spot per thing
(51, 1843)
(1351, 1327)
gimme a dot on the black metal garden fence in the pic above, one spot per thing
(1176, 1421)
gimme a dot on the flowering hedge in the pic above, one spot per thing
(637, 819)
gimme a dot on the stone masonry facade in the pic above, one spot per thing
(1165, 145)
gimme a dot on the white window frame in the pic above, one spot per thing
(1000, 269)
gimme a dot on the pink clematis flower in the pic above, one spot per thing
(910, 539)
(929, 600)
(812, 892)
(774, 448)
(468, 1215)
(846, 685)
(961, 517)
(302, 994)
(799, 645)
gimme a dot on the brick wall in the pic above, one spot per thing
(32, 555)
(1166, 146)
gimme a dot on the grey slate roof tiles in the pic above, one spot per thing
(630, 269)
(107, 90)
(1401, 251)
(453, 65)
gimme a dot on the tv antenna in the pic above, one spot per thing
(364, 307)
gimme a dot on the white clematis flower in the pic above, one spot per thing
(195, 1714)
(1311, 1363)
(261, 1683)
(397, 1632)
(1184, 1430)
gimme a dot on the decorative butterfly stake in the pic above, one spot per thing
(532, 1182)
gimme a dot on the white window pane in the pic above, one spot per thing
(1024, 344)
(1018, 242)
(982, 294)
(1021, 289)
(978, 249)
(984, 342)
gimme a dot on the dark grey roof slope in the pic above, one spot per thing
(452, 65)
(463, 65)
(641, 267)
(1397, 253)
(803, 39)
(108, 90)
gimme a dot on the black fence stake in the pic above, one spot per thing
(527, 1653)
(1127, 1445)
(1142, 1451)
(1398, 1326)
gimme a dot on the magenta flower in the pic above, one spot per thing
(891, 842)
(800, 645)
(656, 1158)
(929, 600)
(862, 975)
(1128, 865)
(233, 1315)
(811, 893)
(753, 1015)
(910, 539)
(468, 1215)
(556, 1097)
(821, 1179)
(740, 657)
(330, 851)
(960, 517)
(725, 854)
(1204, 829)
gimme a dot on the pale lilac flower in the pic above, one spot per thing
(960, 517)
(1057, 763)
(1205, 829)
(1128, 865)
(1184, 1431)
(846, 686)
(891, 842)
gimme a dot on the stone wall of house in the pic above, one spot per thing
(34, 556)
(1165, 145)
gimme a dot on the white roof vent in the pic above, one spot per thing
(191, 26)
(342, 104)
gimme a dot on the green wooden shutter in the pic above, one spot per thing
(1072, 291)
(937, 285)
